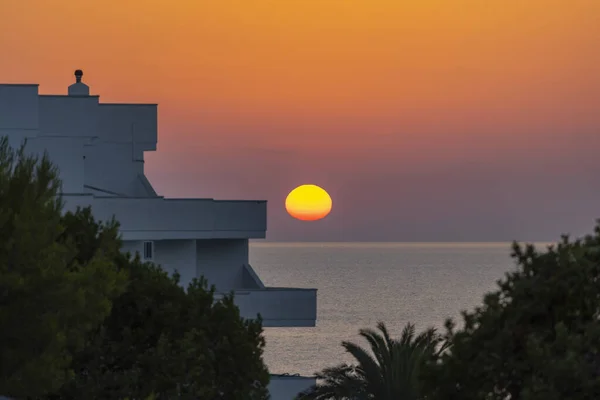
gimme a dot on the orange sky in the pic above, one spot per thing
(316, 88)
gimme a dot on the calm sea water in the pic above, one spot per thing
(362, 283)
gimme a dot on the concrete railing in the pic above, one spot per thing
(154, 217)
(287, 387)
(279, 307)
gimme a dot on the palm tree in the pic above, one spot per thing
(390, 372)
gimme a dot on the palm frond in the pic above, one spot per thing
(367, 366)
(337, 383)
(386, 335)
(380, 347)
(408, 334)
(389, 371)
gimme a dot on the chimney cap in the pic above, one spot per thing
(78, 88)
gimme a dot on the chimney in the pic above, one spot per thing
(79, 88)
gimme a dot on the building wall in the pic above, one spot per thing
(177, 255)
(111, 166)
(171, 255)
(99, 145)
(49, 126)
(18, 112)
(68, 116)
(116, 159)
(19, 107)
(288, 387)
(67, 154)
(132, 246)
(221, 261)
(129, 123)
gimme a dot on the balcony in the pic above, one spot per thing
(286, 387)
(157, 218)
(279, 307)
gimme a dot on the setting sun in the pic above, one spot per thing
(308, 203)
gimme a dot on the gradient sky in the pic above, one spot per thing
(426, 120)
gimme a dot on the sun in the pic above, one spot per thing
(308, 203)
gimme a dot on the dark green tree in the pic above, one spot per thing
(162, 340)
(81, 320)
(536, 337)
(49, 299)
(389, 371)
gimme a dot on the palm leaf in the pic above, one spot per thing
(367, 367)
(340, 382)
(388, 370)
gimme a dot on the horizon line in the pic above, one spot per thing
(315, 242)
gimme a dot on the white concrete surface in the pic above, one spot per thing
(99, 150)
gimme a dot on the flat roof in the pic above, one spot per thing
(70, 96)
(129, 104)
(19, 84)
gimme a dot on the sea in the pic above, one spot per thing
(360, 284)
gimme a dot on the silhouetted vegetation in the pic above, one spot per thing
(161, 339)
(81, 320)
(49, 300)
(390, 370)
(536, 337)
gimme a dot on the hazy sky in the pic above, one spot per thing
(424, 119)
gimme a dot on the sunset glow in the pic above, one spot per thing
(308, 203)
(469, 101)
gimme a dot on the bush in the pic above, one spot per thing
(160, 339)
(49, 299)
(536, 337)
(81, 320)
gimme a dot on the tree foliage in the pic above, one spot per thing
(536, 337)
(389, 371)
(162, 340)
(49, 299)
(81, 320)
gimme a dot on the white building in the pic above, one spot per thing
(99, 149)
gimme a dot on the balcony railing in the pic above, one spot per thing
(279, 307)
(155, 218)
(287, 387)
